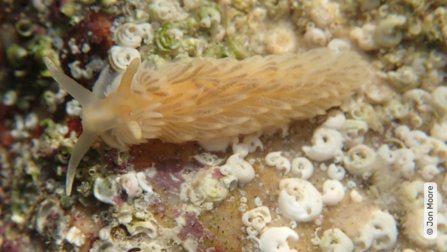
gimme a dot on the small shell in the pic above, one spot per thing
(167, 11)
(25, 27)
(106, 190)
(131, 35)
(388, 33)
(302, 168)
(120, 57)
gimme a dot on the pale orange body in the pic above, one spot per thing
(209, 98)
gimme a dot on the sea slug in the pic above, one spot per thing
(209, 98)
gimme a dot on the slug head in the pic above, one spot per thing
(98, 116)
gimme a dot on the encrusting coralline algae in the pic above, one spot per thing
(233, 125)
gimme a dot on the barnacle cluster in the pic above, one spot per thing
(348, 179)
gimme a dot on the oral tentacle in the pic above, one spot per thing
(81, 147)
(81, 94)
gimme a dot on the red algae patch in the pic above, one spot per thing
(169, 175)
(97, 27)
(194, 229)
(147, 154)
(74, 124)
(217, 174)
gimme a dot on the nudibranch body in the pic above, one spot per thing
(208, 98)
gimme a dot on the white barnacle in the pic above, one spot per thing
(271, 158)
(283, 163)
(132, 35)
(437, 58)
(388, 33)
(418, 98)
(364, 238)
(432, 152)
(257, 218)
(314, 37)
(336, 172)
(333, 192)
(73, 108)
(338, 156)
(299, 200)
(213, 190)
(439, 99)
(414, 229)
(120, 57)
(413, 192)
(207, 158)
(190, 5)
(404, 160)
(280, 162)
(85, 48)
(384, 230)
(356, 197)
(73, 47)
(258, 202)
(335, 119)
(359, 159)
(324, 144)
(75, 69)
(275, 240)
(130, 184)
(402, 132)
(241, 149)
(302, 168)
(439, 129)
(364, 37)
(280, 39)
(338, 45)
(75, 236)
(144, 184)
(146, 227)
(429, 172)
(324, 12)
(106, 190)
(334, 240)
(124, 214)
(414, 138)
(50, 100)
(353, 132)
(46, 210)
(397, 109)
(209, 17)
(104, 233)
(10, 98)
(31, 121)
(239, 168)
(253, 142)
(167, 11)
(404, 78)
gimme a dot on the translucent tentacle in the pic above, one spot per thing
(81, 147)
(81, 94)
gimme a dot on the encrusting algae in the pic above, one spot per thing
(207, 98)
